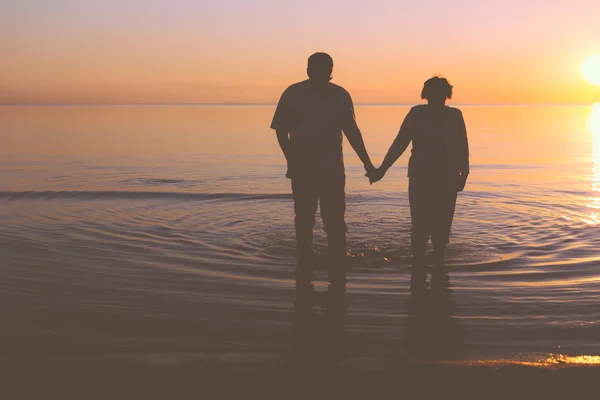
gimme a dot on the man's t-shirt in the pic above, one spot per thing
(315, 118)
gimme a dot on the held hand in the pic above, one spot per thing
(376, 175)
(379, 174)
(371, 170)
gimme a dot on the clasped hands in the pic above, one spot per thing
(374, 174)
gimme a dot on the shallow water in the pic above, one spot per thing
(136, 230)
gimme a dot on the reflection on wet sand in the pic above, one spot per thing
(317, 338)
(431, 332)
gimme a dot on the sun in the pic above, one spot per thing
(590, 70)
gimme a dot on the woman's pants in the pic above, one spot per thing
(432, 202)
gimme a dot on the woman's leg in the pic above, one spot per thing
(420, 199)
(444, 198)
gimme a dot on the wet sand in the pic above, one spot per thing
(274, 379)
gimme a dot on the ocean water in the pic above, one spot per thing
(167, 231)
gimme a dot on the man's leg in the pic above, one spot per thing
(333, 209)
(419, 196)
(305, 208)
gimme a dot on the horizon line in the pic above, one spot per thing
(242, 104)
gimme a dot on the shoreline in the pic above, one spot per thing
(274, 379)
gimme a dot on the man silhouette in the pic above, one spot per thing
(309, 120)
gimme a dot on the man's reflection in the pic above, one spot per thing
(318, 321)
(432, 331)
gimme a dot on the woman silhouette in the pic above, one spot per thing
(437, 170)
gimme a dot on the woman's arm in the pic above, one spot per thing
(400, 143)
(396, 149)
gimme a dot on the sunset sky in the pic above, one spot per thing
(248, 51)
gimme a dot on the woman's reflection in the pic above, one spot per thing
(432, 331)
(318, 322)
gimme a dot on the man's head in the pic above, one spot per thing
(437, 89)
(320, 67)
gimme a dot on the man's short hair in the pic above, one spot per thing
(436, 85)
(321, 61)
(320, 66)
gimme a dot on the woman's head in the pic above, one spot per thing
(437, 89)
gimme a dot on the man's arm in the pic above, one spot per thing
(355, 139)
(282, 123)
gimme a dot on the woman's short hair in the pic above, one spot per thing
(436, 86)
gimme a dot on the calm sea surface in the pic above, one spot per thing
(169, 231)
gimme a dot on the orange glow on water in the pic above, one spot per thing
(559, 359)
(594, 202)
(549, 361)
